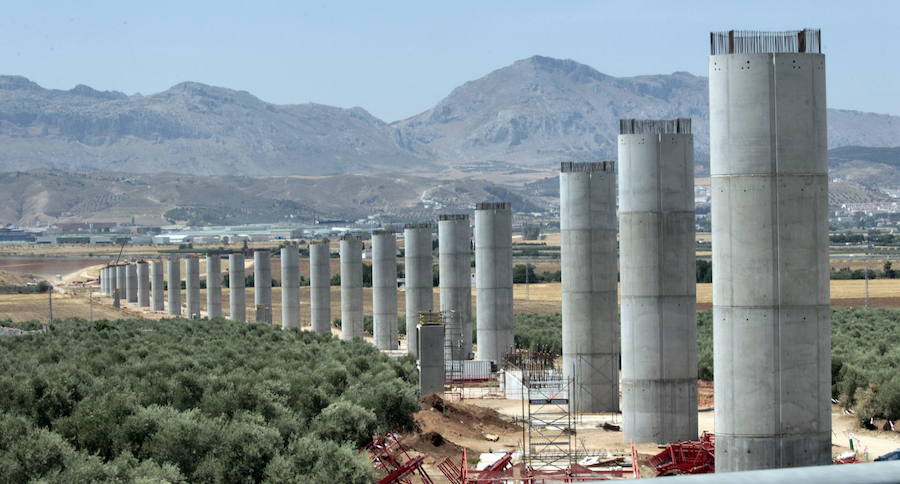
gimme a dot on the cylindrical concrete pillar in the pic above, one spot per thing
(417, 248)
(192, 286)
(107, 278)
(213, 286)
(290, 288)
(455, 261)
(174, 286)
(131, 283)
(772, 322)
(102, 277)
(262, 285)
(351, 288)
(237, 293)
(120, 280)
(143, 284)
(494, 280)
(587, 218)
(157, 303)
(659, 319)
(431, 358)
(320, 285)
(384, 289)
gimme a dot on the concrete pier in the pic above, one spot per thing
(494, 280)
(262, 286)
(157, 287)
(455, 260)
(120, 280)
(772, 322)
(290, 288)
(143, 284)
(131, 283)
(351, 288)
(431, 358)
(192, 286)
(103, 279)
(237, 293)
(384, 289)
(589, 313)
(320, 285)
(213, 286)
(174, 283)
(417, 248)
(658, 280)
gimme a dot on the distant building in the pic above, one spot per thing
(9, 234)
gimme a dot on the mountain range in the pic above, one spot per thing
(533, 113)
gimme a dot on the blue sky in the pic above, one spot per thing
(397, 58)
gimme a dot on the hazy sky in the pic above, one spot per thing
(397, 58)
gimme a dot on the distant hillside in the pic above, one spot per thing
(42, 196)
(871, 167)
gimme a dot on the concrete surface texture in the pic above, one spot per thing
(772, 325)
(174, 286)
(417, 245)
(120, 280)
(213, 286)
(192, 286)
(320, 285)
(455, 261)
(237, 292)
(143, 284)
(290, 288)
(588, 257)
(384, 289)
(157, 287)
(494, 280)
(658, 281)
(351, 288)
(131, 283)
(262, 286)
(431, 358)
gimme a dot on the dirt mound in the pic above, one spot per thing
(478, 418)
(705, 394)
(433, 445)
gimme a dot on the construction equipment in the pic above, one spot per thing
(391, 458)
(691, 457)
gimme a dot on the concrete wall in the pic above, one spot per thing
(174, 283)
(131, 289)
(213, 286)
(192, 286)
(262, 286)
(494, 280)
(351, 288)
(290, 288)
(455, 260)
(589, 313)
(320, 286)
(431, 358)
(237, 293)
(120, 280)
(157, 288)
(772, 327)
(143, 284)
(658, 281)
(384, 289)
(419, 280)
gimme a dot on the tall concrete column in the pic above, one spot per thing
(157, 303)
(213, 286)
(351, 288)
(131, 282)
(290, 288)
(772, 322)
(120, 280)
(237, 293)
(494, 280)
(192, 286)
(143, 284)
(659, 319)
(417, 248)
(320, 285)
(431, 358)
(587, 218)
(455, 260)
(174, 286)
(102, 278)
(384, 289)
(262, 286)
